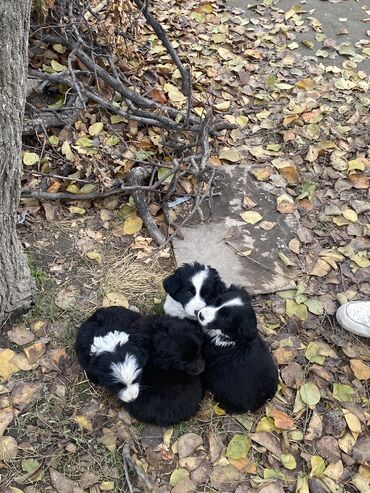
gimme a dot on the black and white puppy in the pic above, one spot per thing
(108, 352)
(190, 288)
(240, 371)
(171, 388)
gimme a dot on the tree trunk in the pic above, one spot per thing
(16, 282)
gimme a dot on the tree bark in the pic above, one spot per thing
(16, 282)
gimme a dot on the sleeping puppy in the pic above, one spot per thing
(108, 353)
(171, 389)
(190, 288)
(240, 371)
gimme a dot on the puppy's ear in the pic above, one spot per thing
(248, 325)
(172, 283)
(221, 286)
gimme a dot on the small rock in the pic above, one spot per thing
(188, 443)
(328, 448)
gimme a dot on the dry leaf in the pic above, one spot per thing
(20, 335)
(231, 155)
(115, 299)
(360, 369)
(132, 225)
(251, 217)
(7, 367)
(8, 449)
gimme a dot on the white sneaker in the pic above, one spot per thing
(355, 317)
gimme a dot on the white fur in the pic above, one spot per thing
(109, 342)
(174, 308)
(219, 339)
(209, 313)
(126, 373)
(197, 302)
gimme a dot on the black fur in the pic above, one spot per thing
(171, 389)
(98, 366)
(243, 376)
(179, 286)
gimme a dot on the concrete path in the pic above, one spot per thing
(262, 271)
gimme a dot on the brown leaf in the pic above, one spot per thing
(292, 375)
(201, 474)
(248, 203)
(290, 173)
(284, 355)
(225, 476)
(61, 483)
(262, 173)
(34, 352)
(215, 447)
(359, 181)
(328, 448)
(360, 369)
(8, 448)
(233, 233)
(361, 451)
(314, 428)
(20, 335)
(267, 440)
(188, 443)
(186, 485)
(6, 417)
(282, 420)
(158, 96)
(7, 367)
(25, 393)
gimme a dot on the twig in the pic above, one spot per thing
(73, 75)
(158, 29)
(58, 177)
(129, 462)
(204, 140)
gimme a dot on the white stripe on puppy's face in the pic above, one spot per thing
(209, 314)
(196, 303)
(126, 373)
(108, 343)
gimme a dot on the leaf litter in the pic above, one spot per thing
(302, 130)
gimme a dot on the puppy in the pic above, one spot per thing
(108, 354)
(190, 288)
(240, 370)
(171, 389)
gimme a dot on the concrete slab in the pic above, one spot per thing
(261, 271)
(331, 16)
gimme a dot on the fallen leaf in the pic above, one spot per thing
(8, 448)
(30, 158)
(115, 299)
(7, 367)
(61, 483)
(106, 486)
(174, 94)
(354, 424)
(286, 260)
(248, 203)
(251, 217)
(321, 268)
(96, 128)
(294, 245)
(83, 422)
(361, 451)
(317, 351)
(317, 465)
(231, 155)
(293, 309)
(342, 392)
(350, 215)
(20, 335)
(77, 210)
(188, 443)
(35, 351)
(6, 417)
(310, 394)
(346, 442)
(25, 393)
(238, 447)
(360, 369)
(132, 225)
(225, 476)
(288, 461)
(282, 420)
(94, 255)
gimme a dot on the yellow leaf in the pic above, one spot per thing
(174, 94)
(295, 309)
(7, 367)
(83, 422)
(356, 164)
(360, 369)
(241, 120)
(306, 84)
(334, 471)
(317, 465)
(251, 217)
(321, 268)
(115, 299)
(76, 210)
(310, 394)
(57, 67)
(347, 442)
(266, 424)
(361, 261)
(73, 188)
(30, 158)
(354, 424)
(350, 215)
(116, 119)
(231, 155)
(132, 225)
(96, 128)
(94, 256)
(67, 151)
(288, 461)
(342, 392)
(218, 410)
(317, 351)
(106, 486)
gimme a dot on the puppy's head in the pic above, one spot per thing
(177, 345)
(120, 370)
(231, 316)
(193, 286)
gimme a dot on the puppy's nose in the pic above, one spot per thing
(200, 316)
(196, 312)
